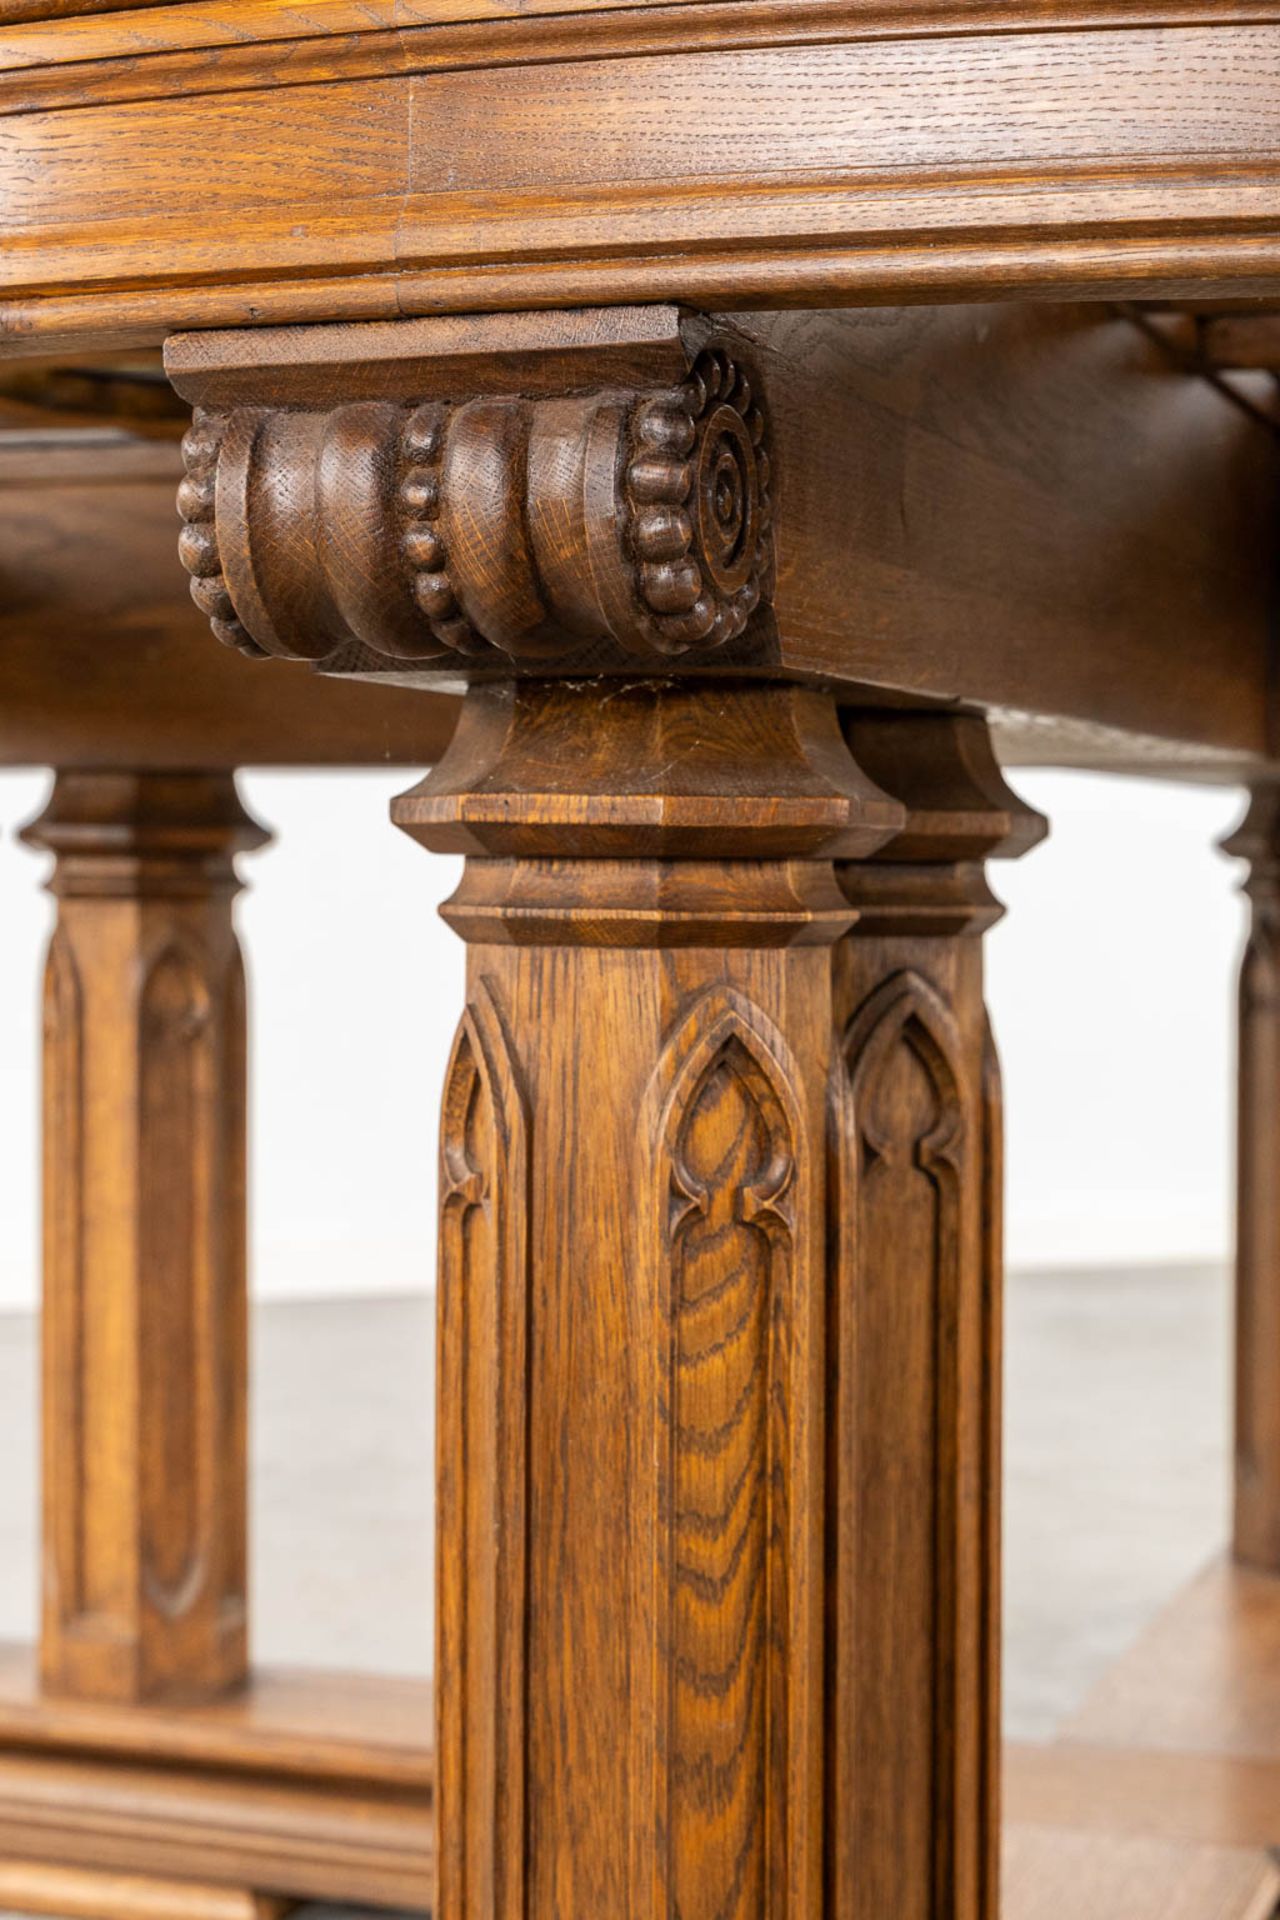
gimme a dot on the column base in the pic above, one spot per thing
(306, 1785)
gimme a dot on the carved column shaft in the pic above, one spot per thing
(632, 1339)
(1257, 1372)
(144, 1337)
(915, 1656)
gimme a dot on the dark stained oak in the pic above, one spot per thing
(1235, 341)
(740, 593)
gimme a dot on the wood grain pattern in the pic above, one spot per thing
(504, 527)
(144, 1306)
(315, 1785)
(250, 25)
(1257, 1324)
(73, 1894)
(736, 1185)
(338, 1843)
(649, 905)
(325, 1728)
(105, 663)
(914, 1669)
(719, 1279)
(393, 177)
(949, 514)
(482, 1471)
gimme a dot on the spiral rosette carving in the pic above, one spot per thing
(422, 541)
(697, 490)
(198, 541)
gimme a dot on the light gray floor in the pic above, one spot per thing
(1116, 1477)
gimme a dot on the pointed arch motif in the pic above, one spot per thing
(178, 1273)
(732, 1188)
(908, 1110)
(906, 1013)
(482, 1472)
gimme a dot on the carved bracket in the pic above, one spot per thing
(428, 519)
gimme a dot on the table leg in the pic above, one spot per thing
(144, 1770)
(915, 1666)
(144, 1319)
(717, 1311)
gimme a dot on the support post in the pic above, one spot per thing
(144, 1318)
(719, 1283)
(1256, 1532)
(916, 1338)
(719, 1391)
(631, 1378)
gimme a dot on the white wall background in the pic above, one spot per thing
(1112, 988)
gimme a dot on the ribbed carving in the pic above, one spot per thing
(497, 525)
(422, 545)
(482, 1474)
(727, 1768)
(198, 541)
(697, 488)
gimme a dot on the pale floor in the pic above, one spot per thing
(1116, 1472)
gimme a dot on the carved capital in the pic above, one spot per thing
(960, 813)
(456, 512)
(648, 814)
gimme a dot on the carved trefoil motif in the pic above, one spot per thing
(739, 1495)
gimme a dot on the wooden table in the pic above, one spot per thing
(779, 419)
